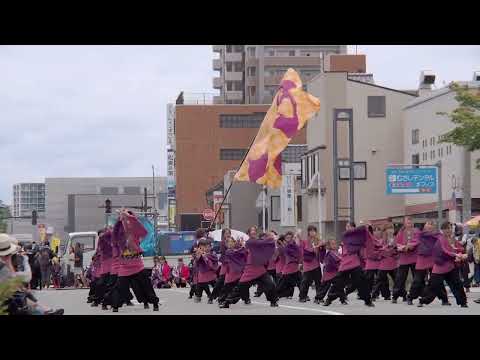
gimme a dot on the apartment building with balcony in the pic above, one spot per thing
(28, 197)
(250, 74)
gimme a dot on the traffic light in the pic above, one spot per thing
(34, 217)
(108, 206)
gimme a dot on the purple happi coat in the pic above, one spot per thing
(105, 251)
(280, 259)
(331, 262)
(309, 256)
(443, 256)
(207, 268)
(409, 257)
(372, 252)
(235, 261)
(352, 244)
(259, 253)
(424, 242)
(127, 235)
(292, 258)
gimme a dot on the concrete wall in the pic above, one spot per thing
(58, 190)
(382, 134)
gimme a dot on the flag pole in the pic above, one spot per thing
(230, 186)
(264, 191)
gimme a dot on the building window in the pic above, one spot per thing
(229, 48)
(415, 136)
(162, 200)
(376, 106)
(109, 191)
(299, 208)
(415, 159)
(252, 71)
(275, 208)
(232, 154)
(252, 91)
(238, 48)
(241, 120)
(229, 66)
(229, 85)
(291, 53)
(238, 86)
(432, 154)
(303, 170)
(238, 67)
(251, 51)
(132, 190)
(271, 53)
(359, 171)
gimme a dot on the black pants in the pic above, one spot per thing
(434, 288)
(201, 287)
(287, 285)
(192, 289)
(273, 274)
(417, 288)
(265, 281)
(92, 291)
(308, 277)
(108, 289)
(382, 286)
(230, 293)
(371, 276)
(400, 279)
(323, 289)
(349, 287)
(218, 287)
(463, 272)
(358, 281)
(141, 286)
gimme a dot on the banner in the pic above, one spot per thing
(287, 201)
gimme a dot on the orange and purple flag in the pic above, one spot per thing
(292, 107)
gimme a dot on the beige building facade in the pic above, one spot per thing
(377, 142)
(423, 127)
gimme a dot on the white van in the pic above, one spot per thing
(89, 243)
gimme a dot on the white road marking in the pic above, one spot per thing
(284, 306)
(302, 308)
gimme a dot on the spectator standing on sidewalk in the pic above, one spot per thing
(45, 256)
(78, 266)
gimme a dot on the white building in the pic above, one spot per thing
(28, 197)
(423, 127)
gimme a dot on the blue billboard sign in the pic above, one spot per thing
(411, 181)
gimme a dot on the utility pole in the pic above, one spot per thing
(440, 200)
(467, 197)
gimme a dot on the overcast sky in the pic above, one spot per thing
(101, 110)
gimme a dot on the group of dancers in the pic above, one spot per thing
(364, 260)
(117, 266)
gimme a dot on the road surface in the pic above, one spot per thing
(176, 302)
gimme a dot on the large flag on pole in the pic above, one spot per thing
(291, 109)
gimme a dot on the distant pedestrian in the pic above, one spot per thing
(182, 274)
(78, 266)
(45, 256)
(56, 272)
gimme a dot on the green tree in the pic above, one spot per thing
(7, 289)
(466, 117)
(4, 213)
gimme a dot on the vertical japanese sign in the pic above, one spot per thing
(411, 181)
(217, 201)
(287, 201)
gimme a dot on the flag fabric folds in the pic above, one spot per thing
(292, 107)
